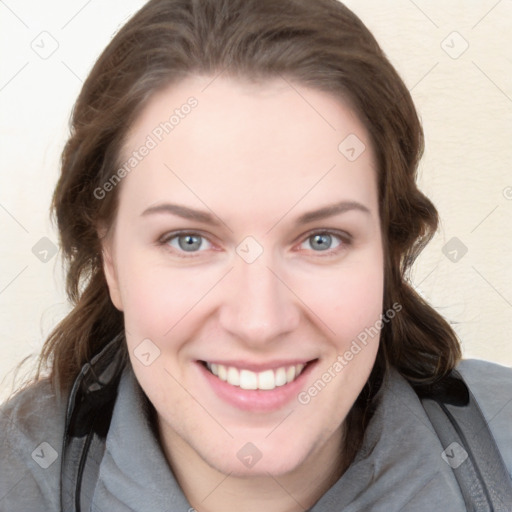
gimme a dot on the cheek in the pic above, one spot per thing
(154, 296)
(347, 299)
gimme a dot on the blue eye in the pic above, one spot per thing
(186, 242)
(322, 241)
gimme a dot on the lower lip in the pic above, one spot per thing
(257, 399)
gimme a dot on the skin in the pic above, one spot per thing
(256, 156)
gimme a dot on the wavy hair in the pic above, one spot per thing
(320, 44)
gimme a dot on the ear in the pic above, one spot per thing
(109, 268)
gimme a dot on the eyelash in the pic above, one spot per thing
(345, 242)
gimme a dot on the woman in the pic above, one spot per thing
(238, 209)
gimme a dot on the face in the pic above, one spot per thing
(247, 244)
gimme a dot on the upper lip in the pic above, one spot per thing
(259, 367)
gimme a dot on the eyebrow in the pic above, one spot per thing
(331, 210)
(206, 218)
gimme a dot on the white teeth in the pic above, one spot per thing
(280, 377)
(223, 372)
(233, 376)
(247, 379)
(266, 380)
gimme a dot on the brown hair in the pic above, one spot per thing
(320, 44)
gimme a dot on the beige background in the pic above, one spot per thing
(454, 55)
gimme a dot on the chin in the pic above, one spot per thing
(250, 461)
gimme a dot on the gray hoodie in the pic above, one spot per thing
(399, 467)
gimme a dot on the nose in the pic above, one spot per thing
(259, 307)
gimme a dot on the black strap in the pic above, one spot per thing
(469, 446)
(88, 416)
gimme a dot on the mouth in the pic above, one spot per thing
(247, 379)
(256, 391)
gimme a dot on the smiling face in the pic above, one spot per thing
(219, 263)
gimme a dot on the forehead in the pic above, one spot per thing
(222, 141)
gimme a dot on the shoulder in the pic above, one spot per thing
(32, 426)
(491, 384)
